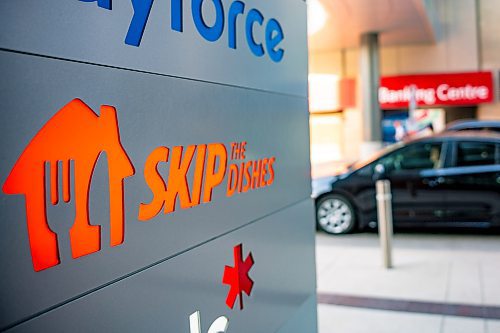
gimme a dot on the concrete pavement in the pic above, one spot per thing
(439, 274)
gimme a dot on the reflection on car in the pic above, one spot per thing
(448, 179)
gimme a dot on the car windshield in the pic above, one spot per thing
(386, 150)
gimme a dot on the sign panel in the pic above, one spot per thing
(147, 165)
(203, 167)
(459, 89)
(248, 43)
(188, 293)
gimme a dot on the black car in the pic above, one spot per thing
(448, 179)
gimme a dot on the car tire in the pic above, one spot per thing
(335, 214)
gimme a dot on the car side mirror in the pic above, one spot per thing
(379, 172)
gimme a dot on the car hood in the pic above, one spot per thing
(324, 184)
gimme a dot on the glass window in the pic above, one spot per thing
(489, 129)
(414, 157)
(475, 153)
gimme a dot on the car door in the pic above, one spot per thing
(473, 183)
(412, 170)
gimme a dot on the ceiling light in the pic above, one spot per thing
(316, 16)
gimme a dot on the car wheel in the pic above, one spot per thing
(335, 214)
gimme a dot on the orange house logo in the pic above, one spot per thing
(74, 133)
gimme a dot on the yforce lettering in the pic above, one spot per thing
(262, 35)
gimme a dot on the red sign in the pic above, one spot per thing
(430, 90)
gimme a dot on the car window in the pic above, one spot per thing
(490, 129)
(414, 157)
(475, 153)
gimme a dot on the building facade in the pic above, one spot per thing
(436, 37)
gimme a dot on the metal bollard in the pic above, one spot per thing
(384, 209)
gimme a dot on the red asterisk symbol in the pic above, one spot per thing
(237, 277)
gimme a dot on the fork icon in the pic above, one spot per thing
(67, 202)
(60, 213)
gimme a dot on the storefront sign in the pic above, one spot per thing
(395, 92)
(65, 139)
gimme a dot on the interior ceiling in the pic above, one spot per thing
(397, 21)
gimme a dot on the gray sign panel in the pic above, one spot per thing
(141, 141)
(162, 297)
(83, 31)
(152, 111)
